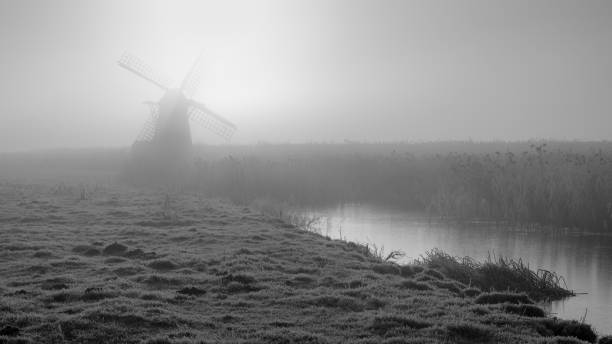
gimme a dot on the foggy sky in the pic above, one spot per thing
(301, 71)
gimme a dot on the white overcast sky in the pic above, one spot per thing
(303, 71)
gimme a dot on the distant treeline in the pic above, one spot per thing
(566, 184)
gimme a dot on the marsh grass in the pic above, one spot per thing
(498, 274)
(562, 184)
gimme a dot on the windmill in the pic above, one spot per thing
(166, 136)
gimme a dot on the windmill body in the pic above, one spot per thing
(172, 129)
(165, 140)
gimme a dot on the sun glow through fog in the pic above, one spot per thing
(305, 71)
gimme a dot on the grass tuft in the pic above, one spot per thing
(385, 268)
(471, 292)
(286, 336)
(469, 331)
(498, 273)
(86, 250)
(337, 301)
(159, 281)
(498, 297)
(525, 310)
(9, 331)
(414, 285)
(605, 340)
(567, 328)
(452, 286)
(115, 249)
(194, 291)
(383, 324)
(301, 280)
(561, 340)
(163, 265)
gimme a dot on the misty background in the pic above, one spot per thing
(303, 71)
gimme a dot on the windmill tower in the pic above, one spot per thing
(166, 136)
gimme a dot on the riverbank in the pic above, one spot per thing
(128, 266)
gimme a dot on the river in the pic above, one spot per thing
(584, 260)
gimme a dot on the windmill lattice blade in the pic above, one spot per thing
(148, 130)
(193, 78)
(138, 67)
(215, 123)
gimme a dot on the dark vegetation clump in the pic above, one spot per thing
(114, 260)
(386, 268)
(287, 336)
(301, 280)
(414, 285)
(240, 278)
(139, 254)
(42, 254)
(498, 274)
(435, 274)
(115, 249)
(9, 331)
(471, 292)
(328, 281)
(54, 286)
(38, 269)
(163, 265)
(239, 283)
(499, 297)
(452, 286)
(338, 301)
(469, 331)
(567, 328)
(86, 331)
(86, 250)
(92, 251)
(525, 310)
(560, 340)
(409, 270)
(605, 340)
(194, 291)
(130, 319)
(127, 270)
(424, 278)
(356, 284)
(480, 310)
(96, 294)
(56, 283)
(383, 324)
(159, 281)
(374, 303)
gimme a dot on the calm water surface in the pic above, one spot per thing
(584, 260)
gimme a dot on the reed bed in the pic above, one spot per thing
(498, 274)
(560, 184)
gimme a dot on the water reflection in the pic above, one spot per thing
(584, 260)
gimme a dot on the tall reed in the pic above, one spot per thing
(557, 184)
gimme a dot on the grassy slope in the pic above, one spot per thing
(214, 272)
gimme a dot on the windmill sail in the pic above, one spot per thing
(215, 123)
(193, 78)
(140, 68)
(169, 122)
(148, 130)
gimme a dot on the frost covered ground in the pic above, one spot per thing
(118, 265)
